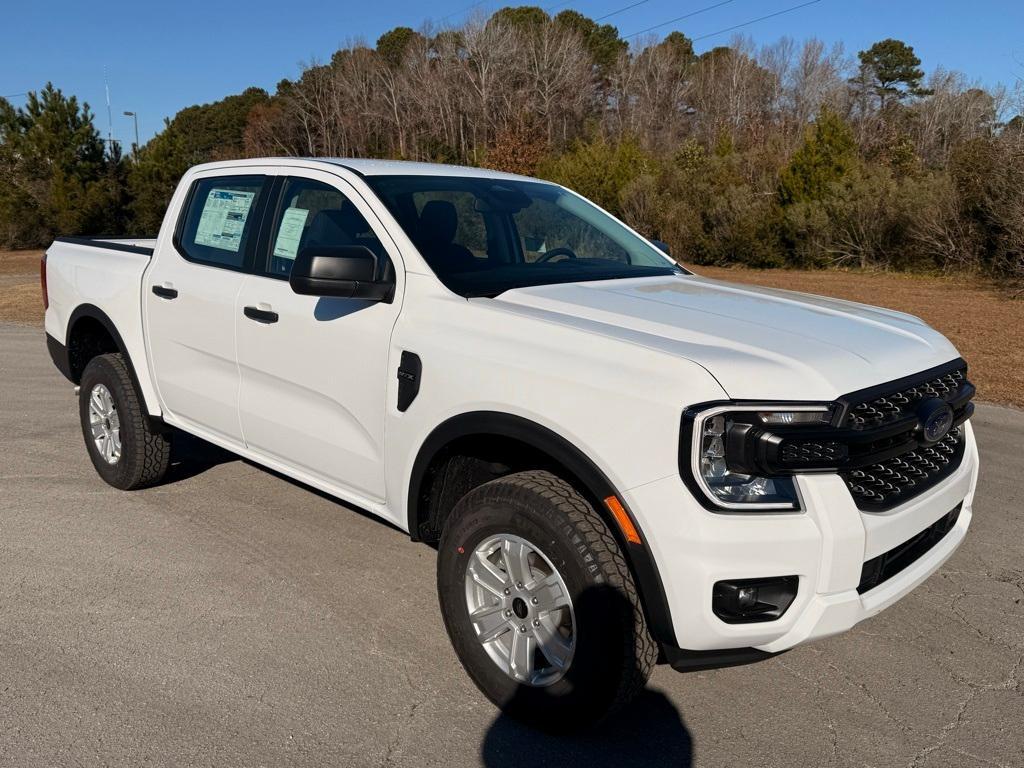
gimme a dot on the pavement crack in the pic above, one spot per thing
(1010, 683)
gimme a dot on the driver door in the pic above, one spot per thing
(314, 370)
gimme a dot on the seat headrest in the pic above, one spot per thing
(336, 227)
(438, 222)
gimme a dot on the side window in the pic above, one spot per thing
(220, 220)
(311, 213)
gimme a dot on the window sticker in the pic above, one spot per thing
(223, 219)
(289, 234)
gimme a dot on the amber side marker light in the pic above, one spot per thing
(622, 518)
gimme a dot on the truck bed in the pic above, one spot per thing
(100, 279)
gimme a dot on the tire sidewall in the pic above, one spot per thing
(100, 370)
(602, 614)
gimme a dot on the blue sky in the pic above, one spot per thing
(160, 57)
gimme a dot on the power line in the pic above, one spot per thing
(555, 7)
(621, 10)
(754, 21)
(464, 10)
(684, 16)
(14, 95)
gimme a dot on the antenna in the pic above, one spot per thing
(110, 119)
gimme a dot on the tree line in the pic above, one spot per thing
(789, 154)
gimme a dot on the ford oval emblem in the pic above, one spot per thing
(936, 417)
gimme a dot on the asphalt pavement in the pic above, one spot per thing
(231, 617)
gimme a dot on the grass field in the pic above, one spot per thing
(984, 324)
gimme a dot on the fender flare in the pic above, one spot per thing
(92, 312)
(638, 556)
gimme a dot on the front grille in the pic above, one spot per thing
(890, 462)
(893, 481)
(882, 568)
(794, 453)
(893, 406)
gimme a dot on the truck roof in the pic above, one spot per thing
(370, 167)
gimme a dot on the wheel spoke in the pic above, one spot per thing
(521, 655)
(490, 624)
(515, 555)
(96, 403)
(554, 647)
(487, 575)
(550, 594)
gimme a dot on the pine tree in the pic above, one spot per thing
(828, 153)
(58, 179)
(892, 71)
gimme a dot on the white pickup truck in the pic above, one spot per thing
(621, 463)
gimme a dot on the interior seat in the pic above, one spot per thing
(435, 238)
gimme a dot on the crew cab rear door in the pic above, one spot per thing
(314, 370)
(189, 294)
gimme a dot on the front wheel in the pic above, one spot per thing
(539, 603)
(126, 452)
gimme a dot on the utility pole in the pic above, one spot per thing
(135, 148)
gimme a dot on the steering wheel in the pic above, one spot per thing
(563, 251)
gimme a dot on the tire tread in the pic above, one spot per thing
(150, 451)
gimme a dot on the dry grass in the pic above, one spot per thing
(20, 263)
(984, 324)
(20, 300)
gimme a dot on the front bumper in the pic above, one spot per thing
(826, 545)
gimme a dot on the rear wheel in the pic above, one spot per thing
(126, 452)
(539, 603)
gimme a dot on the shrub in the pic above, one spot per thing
(599, 170)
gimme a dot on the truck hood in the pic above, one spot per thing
(759, 343)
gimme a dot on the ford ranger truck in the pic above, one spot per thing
(619, 462)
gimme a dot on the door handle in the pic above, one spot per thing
(165, 292)
(260, 315)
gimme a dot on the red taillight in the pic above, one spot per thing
(42, 281)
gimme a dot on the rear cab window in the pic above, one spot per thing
(220, 220)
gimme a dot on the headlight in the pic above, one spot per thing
(727, 449)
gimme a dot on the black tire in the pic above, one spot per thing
(614, 651)
(145, 454)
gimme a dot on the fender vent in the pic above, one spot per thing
(410, 369)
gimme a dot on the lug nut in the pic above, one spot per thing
(519, 585)
(508, 591)
(508, 614)
(536, 622)
(535, 601)
(522, 627)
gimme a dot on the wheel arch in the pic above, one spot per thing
(545, 449)
(91, 332)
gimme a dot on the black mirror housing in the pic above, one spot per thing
(345, 272)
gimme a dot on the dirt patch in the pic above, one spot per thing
(986, 325)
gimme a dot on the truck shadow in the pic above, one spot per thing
(649, 732)
(191, 456)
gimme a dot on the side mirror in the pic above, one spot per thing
(344, 271)
(662, 246)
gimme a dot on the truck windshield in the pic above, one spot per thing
(484, 236)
